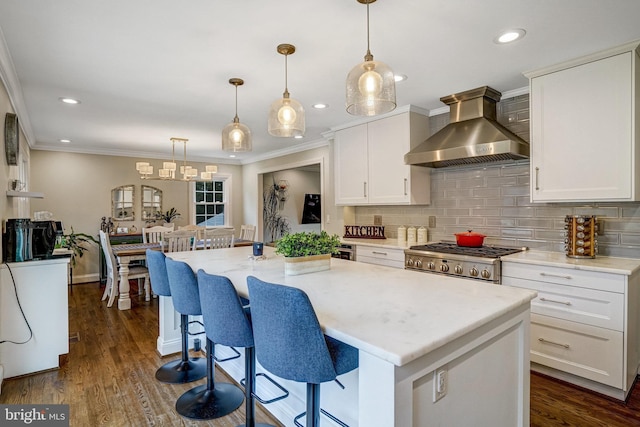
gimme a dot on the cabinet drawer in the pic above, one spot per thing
(583, 350)
(566, 276)
(380, 256)
(592, 307)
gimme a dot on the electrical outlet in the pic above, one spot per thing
(377, 220)
(439, 384)
(432, 222)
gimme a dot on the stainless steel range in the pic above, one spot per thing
(449, 259)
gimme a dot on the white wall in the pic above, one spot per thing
(301, 182)
(332, 217)
(77, 189)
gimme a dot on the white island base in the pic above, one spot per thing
(482, 366)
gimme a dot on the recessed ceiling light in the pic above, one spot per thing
(232, 155)
(399, 77)
(298, 137)
(66, 141)
(69, 101)
(509, 36)
(320, 105)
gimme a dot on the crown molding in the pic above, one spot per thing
(11, 83)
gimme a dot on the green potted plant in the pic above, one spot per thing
(306, 252)
(168, 216)
(75, 242)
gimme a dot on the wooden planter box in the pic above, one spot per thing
(306, 264)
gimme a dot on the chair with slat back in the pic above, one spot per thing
(197, 228)
(247, 232)
(217, 238)
(135, 272)
(154, 234)
(180, 240)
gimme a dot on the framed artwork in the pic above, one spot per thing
(311, 212)
(11, 135)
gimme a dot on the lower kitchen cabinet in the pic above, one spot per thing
(584, 321)
(381, 255)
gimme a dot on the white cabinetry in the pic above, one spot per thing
(583, 323)
(585, 128)
(380, 255)
(34, 315)
(369, 161)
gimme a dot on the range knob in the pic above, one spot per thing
(431, 265)
(419, 263)
(485, 274)
(458, 269)
(473, 272)
(444, 268)
(410, 262)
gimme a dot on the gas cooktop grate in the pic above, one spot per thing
(453, 248)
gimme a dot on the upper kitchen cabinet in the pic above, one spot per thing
(369, 161)
(585, 128)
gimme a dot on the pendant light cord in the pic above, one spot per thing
(236, 118)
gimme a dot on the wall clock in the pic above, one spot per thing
(11, 135)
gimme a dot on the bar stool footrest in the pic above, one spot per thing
(226, 359)
(323, 412)
(284, 395)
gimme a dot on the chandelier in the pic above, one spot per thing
(169, 170)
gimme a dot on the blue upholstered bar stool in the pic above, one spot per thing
(211, 400)
(290, 344)
(184, 370)
(227, 322)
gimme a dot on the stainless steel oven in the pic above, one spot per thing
(346, 251)
(449, 259)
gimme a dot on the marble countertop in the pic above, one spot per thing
(396, 315)
(603, 264)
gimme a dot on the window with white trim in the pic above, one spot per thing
(210, 203)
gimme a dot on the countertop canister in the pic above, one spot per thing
(422, 236)
(402, 234)
(411, 235)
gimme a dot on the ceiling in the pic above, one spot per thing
(149, 70)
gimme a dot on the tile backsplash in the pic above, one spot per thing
(493, 199)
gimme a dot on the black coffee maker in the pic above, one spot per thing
(43, 238)
(16, 241)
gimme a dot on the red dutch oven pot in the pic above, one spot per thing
(470, 239)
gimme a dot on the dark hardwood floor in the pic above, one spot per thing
(108, 377)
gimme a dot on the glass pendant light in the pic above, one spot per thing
(371, 87)
(286, 115)
(236, 136)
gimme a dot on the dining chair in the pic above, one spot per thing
(135, 272)
(247, 232)
(217, 238)
(180, 240)
(155, 234)
(192, 227)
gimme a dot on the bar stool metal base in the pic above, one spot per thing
(200, 403)
(181, 372)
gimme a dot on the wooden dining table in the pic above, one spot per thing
(125, 254)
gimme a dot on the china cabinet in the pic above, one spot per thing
(584, 128)
(369, 161)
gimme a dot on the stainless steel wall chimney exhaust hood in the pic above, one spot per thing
(472, 136)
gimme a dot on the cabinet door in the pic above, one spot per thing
(581, 124)
(351, 173)
(388, 175)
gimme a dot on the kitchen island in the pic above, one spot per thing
(410, 328)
